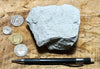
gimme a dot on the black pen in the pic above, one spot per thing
(54, 61)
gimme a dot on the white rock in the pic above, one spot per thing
(56, 27)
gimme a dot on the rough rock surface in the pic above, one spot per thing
(54, 26)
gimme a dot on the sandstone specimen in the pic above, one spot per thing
(54, 26)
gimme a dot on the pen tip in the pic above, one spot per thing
(92, 60)
(14, 61)
(18, 61)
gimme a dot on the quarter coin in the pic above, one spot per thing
(17, 20)
(16, 38)
(20, 50)
(7, 30)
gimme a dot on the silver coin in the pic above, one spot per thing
(7, 30)
(17, 20)
(20, 50)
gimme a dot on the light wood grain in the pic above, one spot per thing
(86, 46)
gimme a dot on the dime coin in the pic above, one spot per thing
(16, 38)
(7, 30)
(20, 50)
(17, 20)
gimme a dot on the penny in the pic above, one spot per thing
(20, 50)
(17, 20)
(16, 38)
(7, 30)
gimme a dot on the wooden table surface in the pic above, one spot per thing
(86, 46)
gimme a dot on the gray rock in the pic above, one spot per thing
(54, 26)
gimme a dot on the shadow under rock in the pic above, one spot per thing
(44, 48)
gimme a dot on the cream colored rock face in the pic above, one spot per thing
(16, 38)
(58, 29)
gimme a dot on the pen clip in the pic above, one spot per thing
(70, 65)
(75, 65)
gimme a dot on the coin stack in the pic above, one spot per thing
(16, 38)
